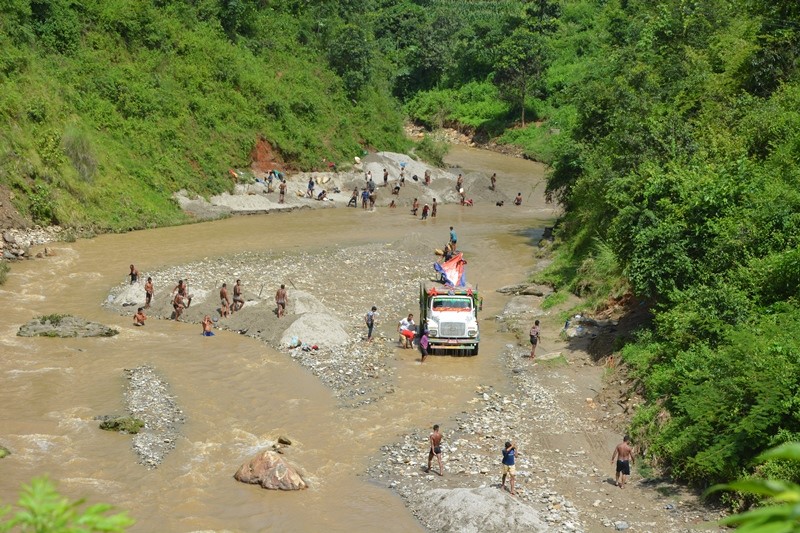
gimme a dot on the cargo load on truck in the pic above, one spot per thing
(449, 310)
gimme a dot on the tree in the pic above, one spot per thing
(520, 62)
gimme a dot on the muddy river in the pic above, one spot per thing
(237, 394)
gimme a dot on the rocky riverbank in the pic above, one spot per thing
(330, 291)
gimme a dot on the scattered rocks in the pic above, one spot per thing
(122, 424)
(64, 326)
(272, 471)
(147, 398)
(320, 312)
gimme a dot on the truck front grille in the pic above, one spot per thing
(452, 329)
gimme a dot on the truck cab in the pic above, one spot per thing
(450, 314)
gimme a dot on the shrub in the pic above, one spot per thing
(44, 510)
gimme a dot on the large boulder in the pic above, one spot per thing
(272, 471)
(483, 510)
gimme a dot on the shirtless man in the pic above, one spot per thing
(238, 299)
(433, 208)
(134, 275)
(435, 440)
(183, 291)
(459, 183)
(148, 292)
(177, 305)
(139, 317)
(282, 192)
(207, 326)
(281, 299)
(224, 301)
(623, 454)
(414, 207)
(493, 179)
(518, 199)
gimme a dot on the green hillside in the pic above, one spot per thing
(108, 107)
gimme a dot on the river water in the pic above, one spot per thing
(238, 394)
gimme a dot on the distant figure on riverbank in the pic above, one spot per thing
(323, 194)
(623, 454)
(385, 178)
(207, 326)
(423, 345)
(518, 199)
(493, 181)
(139, 317)
(460, 183)
(428, 178)
(364, 199)
(407, 329)
(435, 441)
(509, 455)
(148, 292)
(353, 198)
(369, 319)
(534, 334)
(134, 275)
(183, 291)
(282, 192)
(433, 208)
(177, 305)
(238, 299)
(224, 301)
(281, 299)
(425, 210)
(414, 207)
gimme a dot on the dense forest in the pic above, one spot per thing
(671, 127)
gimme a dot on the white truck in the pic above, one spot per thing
(450, 315)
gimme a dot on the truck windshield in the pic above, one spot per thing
(452, 304)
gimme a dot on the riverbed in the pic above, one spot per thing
(238, 393)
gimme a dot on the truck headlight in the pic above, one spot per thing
(472, 332)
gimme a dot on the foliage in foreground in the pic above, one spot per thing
(43, 510)
(780, 510)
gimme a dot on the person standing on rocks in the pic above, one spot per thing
(282, 192)
(433, 208)
(139, 317)
(459, 183)
(385, 178)
(148, 292)
(623, 454)
(435, 441)
(310, 191)
(177, 305)
(238, 299)
(134, 275)
(534, 334)
(183, 291)
(353, 198)
(509, 456)
(428, 177)
(224, 301)
(281, 299)
(369, 319)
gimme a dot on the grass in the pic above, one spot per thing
(54, 319)
(4, 268)
(555, 299)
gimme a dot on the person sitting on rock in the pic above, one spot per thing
(322, 195)
(396, 188)
(139, 317)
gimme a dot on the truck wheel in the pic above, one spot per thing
(474, 350)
